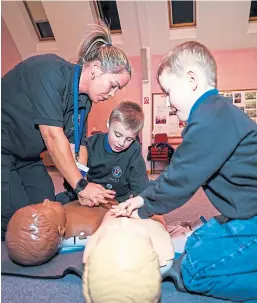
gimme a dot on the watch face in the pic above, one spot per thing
(83, 183)
(80, 185)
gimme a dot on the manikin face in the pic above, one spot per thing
(119, 137)
(121, 262)
(180, 93)
(101, 86)
(54, 211)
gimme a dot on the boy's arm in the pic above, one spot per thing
(205, 148)
(138, 178)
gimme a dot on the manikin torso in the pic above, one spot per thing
(154, 230)
(123, 259)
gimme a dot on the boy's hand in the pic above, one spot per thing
(126, 208)
(134, 214)
(94, 194)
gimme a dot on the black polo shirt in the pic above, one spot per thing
(38, 91)
(124, 172)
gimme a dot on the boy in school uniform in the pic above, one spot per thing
(115, 159)
(219, 154)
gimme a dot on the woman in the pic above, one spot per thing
(38, 112)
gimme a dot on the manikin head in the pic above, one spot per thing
(121, 265)
(35, 232)
(186, 73)
(125, 122)
(105, 68)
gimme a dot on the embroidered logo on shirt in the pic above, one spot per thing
(116, 172)
(78, 119)
(72, 119)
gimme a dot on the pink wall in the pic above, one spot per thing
(132, 92)
(9, 51)
(236, 69)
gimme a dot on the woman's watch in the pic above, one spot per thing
(80, 185)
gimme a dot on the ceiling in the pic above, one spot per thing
(221, 25)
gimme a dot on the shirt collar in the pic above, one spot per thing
(201, 100)
(107, 146)
(71, 88)
(83, 98)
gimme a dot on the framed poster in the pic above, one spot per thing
(164, 118)
(246, 100)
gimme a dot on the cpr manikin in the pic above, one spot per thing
(123, 261)
(35, 232)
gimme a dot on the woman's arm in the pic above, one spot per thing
(83, 154)
(59, 149)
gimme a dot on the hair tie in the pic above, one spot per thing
(81, 61)
(108, 44)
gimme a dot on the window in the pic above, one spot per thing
(108, 12)
(253, 11)
(39, 20)
(182, 13)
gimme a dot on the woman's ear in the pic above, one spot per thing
(96, 70)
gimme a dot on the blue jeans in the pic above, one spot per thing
(221, 260)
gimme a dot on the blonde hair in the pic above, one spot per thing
(129, 114)
(97, 46)
(191, 52)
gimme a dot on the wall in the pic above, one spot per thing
(9, 52)
(236, 70)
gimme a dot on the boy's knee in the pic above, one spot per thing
(195, 278)
(189, 275)
(211, 280)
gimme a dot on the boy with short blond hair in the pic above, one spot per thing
(219, 154)
(115, 159)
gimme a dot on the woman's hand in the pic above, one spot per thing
(94, 194)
